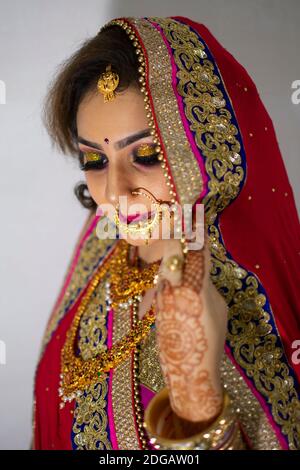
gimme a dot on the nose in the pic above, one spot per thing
(117, 184)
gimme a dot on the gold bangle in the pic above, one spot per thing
(235, 441)
(218, 435)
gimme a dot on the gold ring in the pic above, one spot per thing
(174, 263)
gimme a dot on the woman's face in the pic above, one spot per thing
(119, 153)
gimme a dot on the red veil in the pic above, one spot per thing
(249, 204)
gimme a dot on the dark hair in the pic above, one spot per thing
(77, 76)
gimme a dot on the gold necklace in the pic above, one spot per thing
(127, 281)
(139, 418)
(127, 284)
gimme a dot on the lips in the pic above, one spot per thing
(136, 217)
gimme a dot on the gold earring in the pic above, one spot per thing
(107, 83)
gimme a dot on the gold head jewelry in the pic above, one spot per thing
(107, 83)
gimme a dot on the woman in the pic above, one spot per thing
(155, 341)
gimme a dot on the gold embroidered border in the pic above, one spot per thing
(254, 343)
(90, 419)
(208, 115)
(93, 332)
(90, 416)
(123, 408)
(150, 372)
(183, 164)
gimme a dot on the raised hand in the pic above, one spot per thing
(191, 323)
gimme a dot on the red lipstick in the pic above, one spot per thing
(136, 217)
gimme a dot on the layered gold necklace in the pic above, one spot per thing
(126, 286)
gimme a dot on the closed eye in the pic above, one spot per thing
(147, 161)
(92, 161)
(144, 154)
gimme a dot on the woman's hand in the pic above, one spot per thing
(191, 318)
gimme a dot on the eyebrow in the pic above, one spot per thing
(121, 143)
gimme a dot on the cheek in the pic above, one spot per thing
(96, 185)
(155, 182)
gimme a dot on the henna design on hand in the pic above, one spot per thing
(182, 344)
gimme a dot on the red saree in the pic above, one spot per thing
(221, 150)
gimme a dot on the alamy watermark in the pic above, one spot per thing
(296, 353)
(2, 92)
(2, 353)
(295, 97)
(137, 219)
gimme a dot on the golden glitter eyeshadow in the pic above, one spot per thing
(145, 150)
(91, 156)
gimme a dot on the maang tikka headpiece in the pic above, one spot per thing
(107, 83)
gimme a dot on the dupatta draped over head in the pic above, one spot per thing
(220, 149)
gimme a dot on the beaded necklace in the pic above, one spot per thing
(125, 288)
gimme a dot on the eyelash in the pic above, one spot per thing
(148, 160)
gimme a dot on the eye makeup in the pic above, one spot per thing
(143, 154)
(92, 161)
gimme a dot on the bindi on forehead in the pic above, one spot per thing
(120, 144)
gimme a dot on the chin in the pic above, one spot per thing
(139, 241)
(158, 234)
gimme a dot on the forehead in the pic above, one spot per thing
(115, 119)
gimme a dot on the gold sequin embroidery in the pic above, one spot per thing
(254, 342)
(90, 416)
(184, 167)
(208, 116)
(124, 414)
(93, 331)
